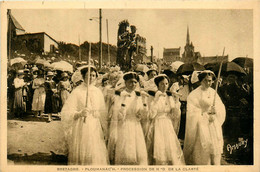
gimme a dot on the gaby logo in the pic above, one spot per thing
(241, 143)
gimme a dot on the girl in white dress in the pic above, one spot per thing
(162, 142)
(203, 142)
(126, 144)
(85, 123)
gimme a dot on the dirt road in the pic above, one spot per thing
(36, 140)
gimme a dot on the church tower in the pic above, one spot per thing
(188, 55)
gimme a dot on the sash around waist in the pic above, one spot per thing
(161, 115)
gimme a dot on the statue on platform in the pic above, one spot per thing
(126, 44)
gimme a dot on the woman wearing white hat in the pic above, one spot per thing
(64, 87)
(39, 93)
(84, 119)
(50, 88)
(19, 106)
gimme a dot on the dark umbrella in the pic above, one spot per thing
(211, 66)
(230, 67)
(168, 72)
(188, 68)
(244, 62)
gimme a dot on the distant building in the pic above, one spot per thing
(20, 41)
(14, 26)
(189, 55)
(14, 29)
(171, 54)
(212, 59)
(38, 42)
(154, 59)
(140, 55)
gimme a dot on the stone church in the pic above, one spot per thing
(190, 55)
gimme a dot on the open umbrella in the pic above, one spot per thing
(175, 66)
(244, 62)
(17, 60)
(211, 66)
(62, 65)
(42, 62)
(141, 68)
(230, 67)
(188, 68)
(76, 77)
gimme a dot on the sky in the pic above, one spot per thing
(210, 29)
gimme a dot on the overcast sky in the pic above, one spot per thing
(210, 30)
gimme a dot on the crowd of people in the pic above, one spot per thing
(133, 118)
(38, 91)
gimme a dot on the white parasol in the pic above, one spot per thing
(18, 60)
(62, 65)
(43, 62)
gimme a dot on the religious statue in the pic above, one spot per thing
(126, 44)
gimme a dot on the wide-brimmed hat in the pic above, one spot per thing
(50, 73)
(20, 72)
(26, 71)
(83, 69)
(64, 75)
(34, 68)
(86, 67)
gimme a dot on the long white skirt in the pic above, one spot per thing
(166, 147)
(130, 145)
(87, 144)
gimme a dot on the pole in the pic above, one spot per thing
(100, 38)
(108, 50)
(87, 98)
(9, 34)
(79, 50)
(219, 72)
(151, 53)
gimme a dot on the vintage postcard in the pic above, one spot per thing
(130, 86)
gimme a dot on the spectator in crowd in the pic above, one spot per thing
(39, 93)
(234, 96)
(10, 91)
(149, 85)
(184, 91)
(28, 90)
(19, 103)
(64, 87)
(50, 100)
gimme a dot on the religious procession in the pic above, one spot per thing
(131, 113)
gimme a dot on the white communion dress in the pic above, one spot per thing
(126, 144)
(86, 141)
(203, 138)
(163, 145)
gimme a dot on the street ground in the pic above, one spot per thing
(34, 141)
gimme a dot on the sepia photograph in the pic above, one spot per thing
(115, 88)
